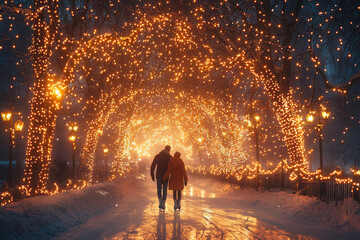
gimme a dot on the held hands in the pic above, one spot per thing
(153, 178)
(185, 183)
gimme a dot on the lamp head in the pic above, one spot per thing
(73, 127)
(72, 138)
(310, 118)
(19, 125)
(325, 114)
(6, 115)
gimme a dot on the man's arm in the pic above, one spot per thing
(152, 168)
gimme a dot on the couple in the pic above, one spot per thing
(165, 166)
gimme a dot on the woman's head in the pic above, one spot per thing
(177, 154)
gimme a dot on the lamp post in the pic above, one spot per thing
(106, 150)
(7, 117)
(253, 124)
(72, 138)
(323, 116)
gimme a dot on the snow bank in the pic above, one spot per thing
(41, 217)
(343, 217)
(350, 213)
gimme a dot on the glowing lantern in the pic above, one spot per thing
(6, 115)
(73, 127)
(72, 138)
(19, 125)
(325, 114)
(310, 118)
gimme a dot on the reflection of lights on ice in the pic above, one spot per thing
(207, 213)
(202, 194)
(191, 191)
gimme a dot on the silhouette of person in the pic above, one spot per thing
(178, 178)
(161, 161)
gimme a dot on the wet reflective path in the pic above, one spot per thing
(204, 215)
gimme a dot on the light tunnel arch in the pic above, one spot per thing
(195, 108)
(111, 47)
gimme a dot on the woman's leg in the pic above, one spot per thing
(177, 197)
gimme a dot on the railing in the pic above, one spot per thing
(326, 190)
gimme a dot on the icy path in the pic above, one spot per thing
(207, 213)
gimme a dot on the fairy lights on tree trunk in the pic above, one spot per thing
(43, 103)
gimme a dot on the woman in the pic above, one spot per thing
(178, 177)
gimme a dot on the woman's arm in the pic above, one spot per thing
(168, 170)
(184, 172)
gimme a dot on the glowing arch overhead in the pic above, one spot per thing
(182, 113)
(159, 50)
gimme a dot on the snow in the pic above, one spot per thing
(88, 212)
(343, 217)
(44, 216)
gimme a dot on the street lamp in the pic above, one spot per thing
(7, 117)
(73, 127)
(323, 116)
(322, 120)
(106, 150)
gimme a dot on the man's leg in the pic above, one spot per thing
(165, 184)
(175, 199)
(158, 184)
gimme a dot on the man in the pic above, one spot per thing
(161, 161)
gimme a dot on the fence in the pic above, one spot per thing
(326, 190)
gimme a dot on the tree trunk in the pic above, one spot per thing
(42, 116)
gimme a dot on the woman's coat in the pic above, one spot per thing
(176, 170)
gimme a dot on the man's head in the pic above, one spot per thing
(177, 155)
(167, 148)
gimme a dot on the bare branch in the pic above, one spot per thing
(343, 87)
(14, 9)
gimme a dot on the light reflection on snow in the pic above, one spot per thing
(196, 192)
(203, 215)
(202, 194)
(207, 212)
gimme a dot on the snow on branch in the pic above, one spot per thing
(342, 87)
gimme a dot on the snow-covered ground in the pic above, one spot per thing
(127, 209)
(46, 216)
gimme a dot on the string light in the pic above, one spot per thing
(160, 55)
